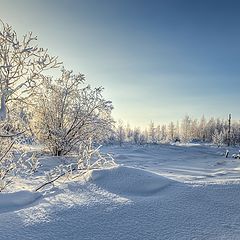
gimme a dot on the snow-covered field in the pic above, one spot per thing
(156, 192)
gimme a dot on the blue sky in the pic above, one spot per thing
(158, 60)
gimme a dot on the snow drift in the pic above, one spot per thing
(202, 202)
(17, 200)
(129, 181)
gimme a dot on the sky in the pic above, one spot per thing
(157, 60)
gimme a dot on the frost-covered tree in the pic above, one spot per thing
(202, 129)
(218, 137)
(194, 129)
(152, 136)
(67, 112)
(22, 63)
(120, 133)
(171, 134)
(186, 129)
(163, 133)
(235, 134)
(158, 133)
(136, 135)
(177, 131)
(210, 128)
(129, 133)
(143, 138)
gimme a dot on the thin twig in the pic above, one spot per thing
(7, 151)
(12, 135)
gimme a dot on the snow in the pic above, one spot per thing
(156, 192)
(129, 181)
(17, 200)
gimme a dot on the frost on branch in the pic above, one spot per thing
(219, 137)
(14, 161)
(88, 158)
(13, 158)
(91, 158)
(22, 63)
(67, 112)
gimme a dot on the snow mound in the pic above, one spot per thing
(129, 181)
(17, 200)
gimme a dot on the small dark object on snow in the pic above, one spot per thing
(227, 153)
(177, 140)
(236, 156)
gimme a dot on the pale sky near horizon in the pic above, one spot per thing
(157, 60)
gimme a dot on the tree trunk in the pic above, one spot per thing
(229, 130)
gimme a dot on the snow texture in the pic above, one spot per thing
(181, 192)
(129, 181)
(17, 200)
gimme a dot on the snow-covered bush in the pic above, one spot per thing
(13, 158)
(67, 112)
(91, 158)
(14, 161)
(88, 158)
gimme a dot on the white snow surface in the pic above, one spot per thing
(17, 200)
(129, 181)
(156, 192)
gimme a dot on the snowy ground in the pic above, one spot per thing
(157, 192)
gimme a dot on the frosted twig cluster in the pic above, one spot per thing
(14, 162)
(89, 158)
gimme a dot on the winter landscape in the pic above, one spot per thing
(122, 122)
(156, 192)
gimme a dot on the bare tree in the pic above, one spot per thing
(218, 137)
(136, 135)
(152, 133)
(120, 133)
(67, 113)
(22, 63)
(171, 131)
(229, 129)
(186, 129)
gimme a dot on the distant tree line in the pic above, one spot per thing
(212, 130)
